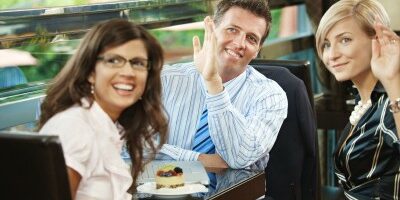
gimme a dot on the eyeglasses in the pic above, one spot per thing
(116, 61)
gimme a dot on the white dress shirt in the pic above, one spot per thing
(244, 119)
(91, 144)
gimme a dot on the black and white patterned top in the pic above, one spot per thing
(367, 163)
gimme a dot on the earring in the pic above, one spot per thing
(91, 89)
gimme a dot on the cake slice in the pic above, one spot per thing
(169, 176)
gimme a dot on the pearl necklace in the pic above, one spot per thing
(359, 111)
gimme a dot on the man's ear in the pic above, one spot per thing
(255, 55)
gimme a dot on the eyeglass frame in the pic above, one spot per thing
(103, 58)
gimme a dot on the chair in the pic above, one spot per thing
(33, 167)
(292, 171)
(298, 68)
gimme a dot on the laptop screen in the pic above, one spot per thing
(32, 167)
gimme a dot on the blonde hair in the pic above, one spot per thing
(362, 11)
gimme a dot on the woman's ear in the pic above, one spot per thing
(91, 78)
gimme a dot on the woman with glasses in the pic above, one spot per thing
(355, 42)
(107, 96)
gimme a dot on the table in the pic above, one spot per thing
(231, 184)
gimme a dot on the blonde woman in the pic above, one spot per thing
(355, 43)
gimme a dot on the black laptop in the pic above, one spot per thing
(32, 167)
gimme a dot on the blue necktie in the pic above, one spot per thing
(203, 144)
(202, 141)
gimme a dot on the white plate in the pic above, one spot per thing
(178, 192)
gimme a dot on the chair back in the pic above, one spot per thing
(292, 171)
(299, 68)
(33, 167)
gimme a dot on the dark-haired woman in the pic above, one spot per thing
(107, 96)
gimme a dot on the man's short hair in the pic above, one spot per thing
(259, 8)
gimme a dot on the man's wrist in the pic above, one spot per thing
(214, 86)
(201, 156)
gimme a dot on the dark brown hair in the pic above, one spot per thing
(142, 120)
(259, 8)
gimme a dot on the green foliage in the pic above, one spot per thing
(49, 65)
(9, 4)
(24, 4)
(177, 39)
(50, 60)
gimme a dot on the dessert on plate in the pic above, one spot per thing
(169, 176)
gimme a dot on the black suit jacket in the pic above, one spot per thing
(291, 173)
